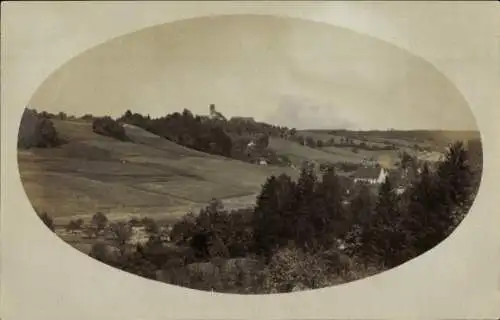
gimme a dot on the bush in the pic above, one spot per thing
(87, 117)
(106, 126)
(292, 269)
(74, 225)
(37, 131)
(99, 221)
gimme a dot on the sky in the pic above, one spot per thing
(284, 71)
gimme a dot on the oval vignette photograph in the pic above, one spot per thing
(249, 154)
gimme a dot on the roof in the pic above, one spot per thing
(367, 173)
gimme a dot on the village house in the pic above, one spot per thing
(251, 144)
(400, 190)
(138, 236)
(371, 175)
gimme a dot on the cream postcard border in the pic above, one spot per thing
(44, 278)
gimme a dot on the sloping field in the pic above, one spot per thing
(148, 176)
(299, 153)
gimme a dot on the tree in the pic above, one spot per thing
(184, 229)
(150, 225)
(272, 218)
(263, 141)
(301, 140)
(47, 220)
(74, 225)
(383, 239)
(310, 142)
(293, 269)
(37, 131)
(438, 201)
(304, 232)
(455, 174)
(240, 233)
(424, 220)
(327, 215)
(100, 252)
(62, 116)
(206, 234)
(455, 185)
(475, 154)
(134, 222)
(361, 207)
(106, 126)
(122, 233)
(128, 114)
(87, 117)
(99, 221)
(407, 161)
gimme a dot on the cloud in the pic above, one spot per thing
(303, 113)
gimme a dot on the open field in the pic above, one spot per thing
(299, 153)
(434, 139)
(151, 176)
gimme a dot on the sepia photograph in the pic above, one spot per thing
(249, 154)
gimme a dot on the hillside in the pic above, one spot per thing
(149, 175)
(298, 153)
(433, 139)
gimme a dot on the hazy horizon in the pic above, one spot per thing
(284, 71)
(77, 115)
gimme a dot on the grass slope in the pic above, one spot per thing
(148, 176)
(299, 153)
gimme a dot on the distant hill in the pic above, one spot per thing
(404, 137)
(298, 153)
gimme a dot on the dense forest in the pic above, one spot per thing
(213, 134)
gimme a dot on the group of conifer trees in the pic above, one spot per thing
(383, 228)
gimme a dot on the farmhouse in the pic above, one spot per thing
(138, 236)
(400, 190)
(371, 175)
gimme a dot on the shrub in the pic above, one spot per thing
(87, 117)
(74, 225)
(104, 253)
(37, 131)
(106, 126)
(292, 269)
(99, 221)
